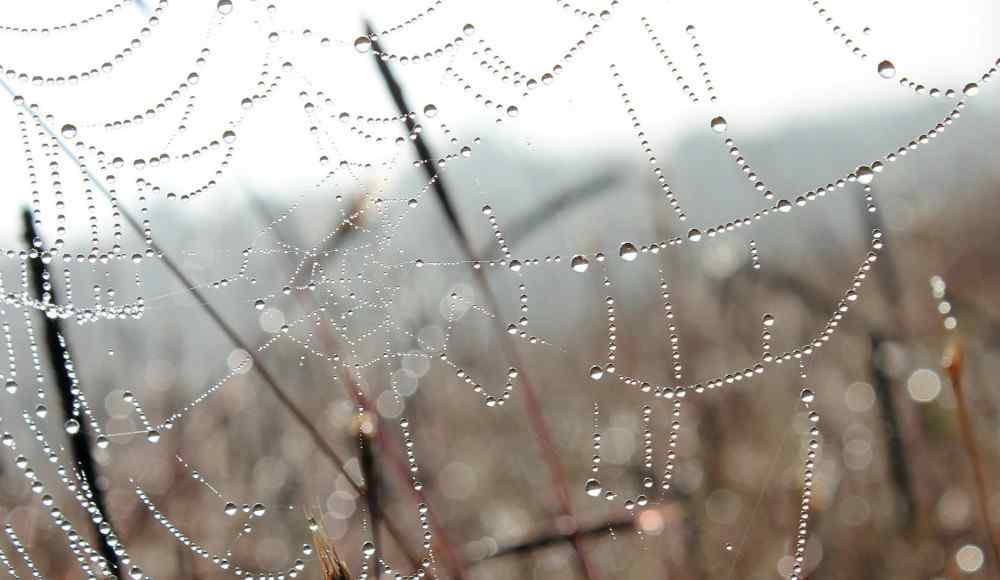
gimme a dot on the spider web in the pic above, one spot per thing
(344, 301)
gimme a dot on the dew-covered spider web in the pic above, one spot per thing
(239, 283)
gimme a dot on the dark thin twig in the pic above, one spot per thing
(533, 409)
(369, 471)
(59, 357)
(548, 540)
(882, 385)
(298, 414)
(892, 292)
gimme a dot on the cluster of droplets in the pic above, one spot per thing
(807, 349)
(368, 43)
(706, 78)
(754, 255)
(848, 42)
(408, 22)
(887, 69)
(91, 562)
(221, 561)
(640, 134)
(741, 163)
(107, 67)
(72, 26)
(807, 397)
(939, 292)
(685, 87)
(320, 282)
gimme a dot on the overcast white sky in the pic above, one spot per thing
(773, 63)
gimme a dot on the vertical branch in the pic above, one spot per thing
(59, 357)
(892, 293)
(533, 409)
(882, 385)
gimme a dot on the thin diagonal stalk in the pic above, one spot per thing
(59, 357)
(297, 413)
(548, 540)
(543, 437)
(561, 201)
(953, 366)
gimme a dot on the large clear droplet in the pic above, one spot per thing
(593, 488)
(368, 549)
(224, 6)
(886, 69)
(579, 263)
(719, 125)
(68, 131)
(807, 396)
(362, 44)
(865, 174)
(72, 426)
(628, 252)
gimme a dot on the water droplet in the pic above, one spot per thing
(136, 573)
(259, 304)
(153, 436)
(469, 29)
(768, 320)
(224, 6)
(362, 44)
(513, 111)
(72, 426)
(11, 386)
(514, 265)
(694, 235)
(886, 69)
(970, 90)
(865, 174)
(229, 136)
(579, 263)
(718, 124)
(230, 509)
(596, 373)
(728, 547)
(430, 111)
(593, 488)
(68, 131)
(807, 396)
(368, 549)
(259, 510)
(628, 252)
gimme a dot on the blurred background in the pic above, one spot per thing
(327, 213)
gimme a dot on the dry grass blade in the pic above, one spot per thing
(952, 363)
(331, 565)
